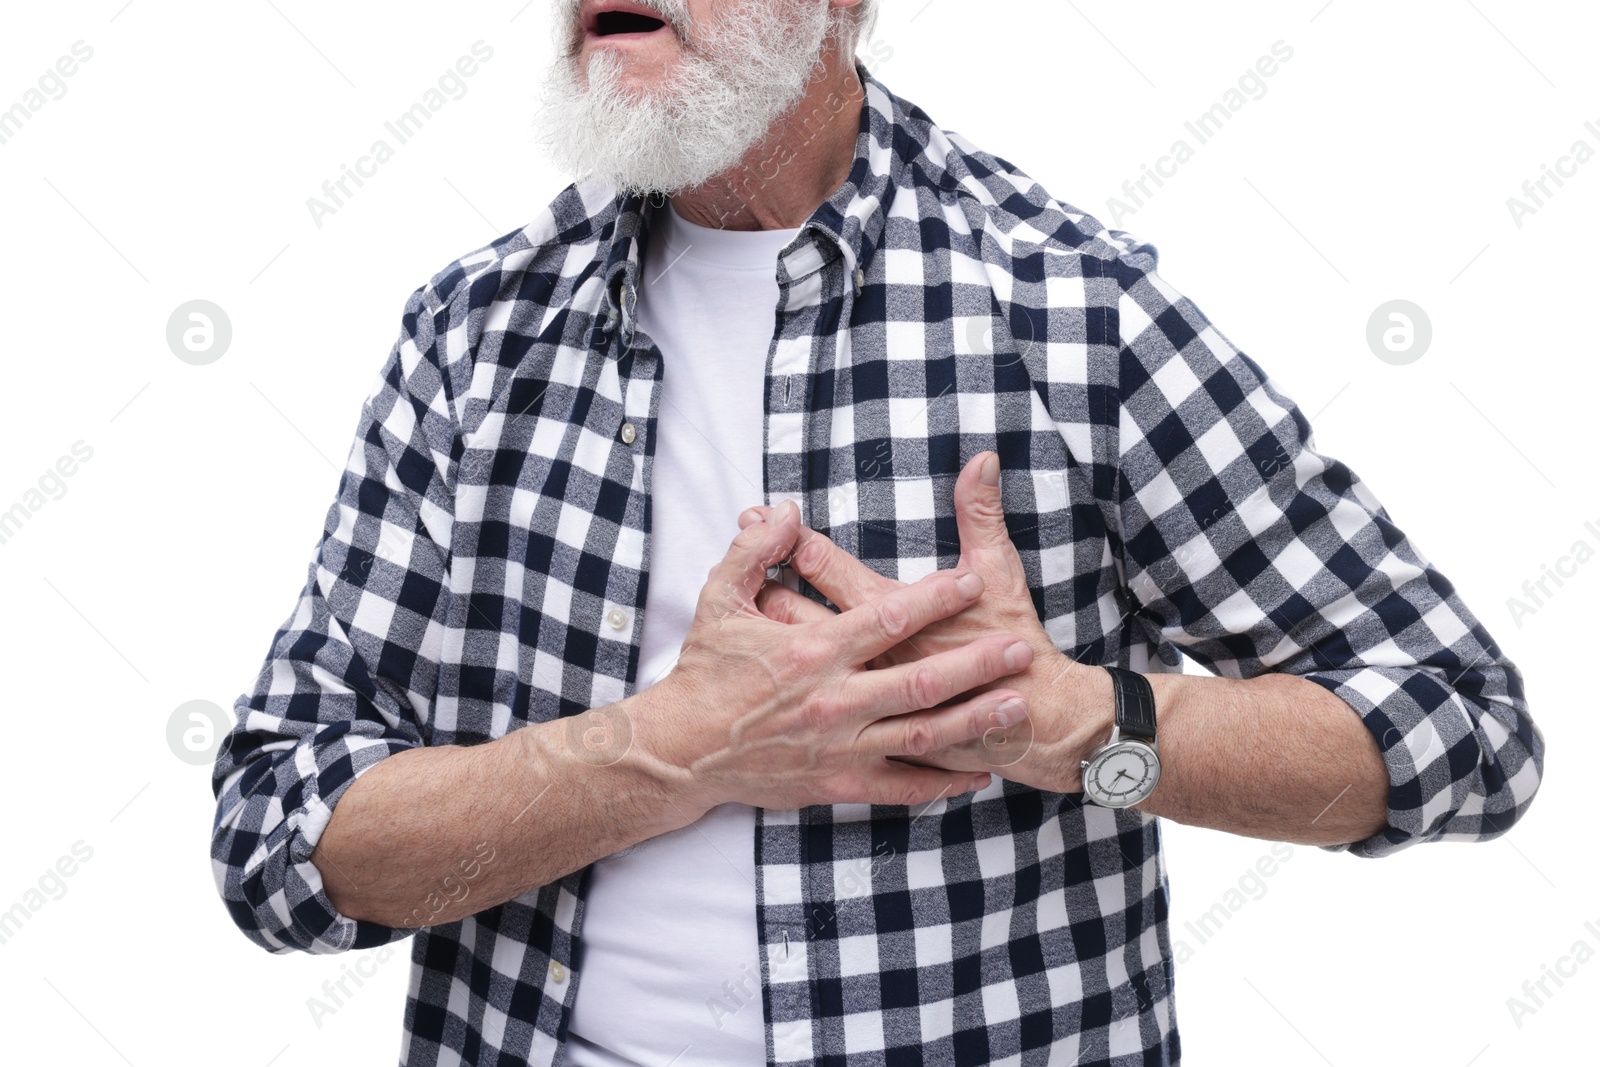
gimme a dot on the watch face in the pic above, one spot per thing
(1122, 774)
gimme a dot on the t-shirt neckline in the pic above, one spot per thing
(715, 246)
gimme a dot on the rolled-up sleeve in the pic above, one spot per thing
(351, 675)
(1252, 552)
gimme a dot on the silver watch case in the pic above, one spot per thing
(1118, 746)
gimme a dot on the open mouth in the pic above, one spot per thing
(611, 23)
(621, 19)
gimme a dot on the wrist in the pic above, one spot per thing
(1094, 717)
(1168, 689)
(601, 751)
(661, 750)
(1073, 711)
(1172, 691)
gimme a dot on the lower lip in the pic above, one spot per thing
(625, 38)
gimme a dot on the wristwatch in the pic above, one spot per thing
(1124, 770)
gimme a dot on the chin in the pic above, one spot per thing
(644, 84)
(639, 74)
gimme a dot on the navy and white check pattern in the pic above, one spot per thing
(492, 521)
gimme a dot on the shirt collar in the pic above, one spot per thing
(849, 224)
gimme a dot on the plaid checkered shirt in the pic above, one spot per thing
(492, 525)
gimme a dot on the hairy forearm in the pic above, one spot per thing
(431, 835)
(1276, 757)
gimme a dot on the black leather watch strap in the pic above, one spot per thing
(1136, 703)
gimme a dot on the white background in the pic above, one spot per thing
(178, 164)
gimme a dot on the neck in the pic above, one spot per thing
(802, 160)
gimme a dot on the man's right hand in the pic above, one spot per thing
(786, 715)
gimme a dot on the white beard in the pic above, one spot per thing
(732, 80)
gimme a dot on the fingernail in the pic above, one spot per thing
(1018, 655)
(969, 584)
(980, 782)
(786, 509)
(989, 473)
(1010, 712)
(750, 516)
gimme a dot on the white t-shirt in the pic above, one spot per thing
(670, 963)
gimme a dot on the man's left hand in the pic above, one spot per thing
(1068, 704)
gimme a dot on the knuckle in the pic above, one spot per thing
(923, 687)
(806, 658)
(920, 738)
(895, 619)
(819, 712)
(811, 557)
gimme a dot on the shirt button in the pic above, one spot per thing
(558, 973)
(617, 618)
(629, 434)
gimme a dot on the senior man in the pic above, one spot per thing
(843, 792)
